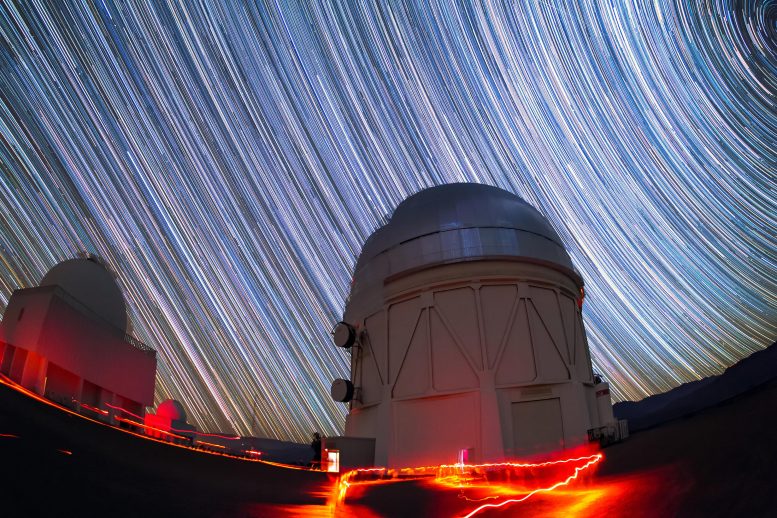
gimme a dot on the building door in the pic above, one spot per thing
(537, 427)
(333, 461)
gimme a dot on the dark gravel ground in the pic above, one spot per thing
(719, 462)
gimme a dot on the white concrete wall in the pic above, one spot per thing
(92, 349)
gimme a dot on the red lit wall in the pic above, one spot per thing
(55, 341)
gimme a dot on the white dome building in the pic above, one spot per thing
(468, 342)
(68, 339)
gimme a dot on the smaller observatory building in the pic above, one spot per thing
(466, 335)
(169, 421)
(68, 340)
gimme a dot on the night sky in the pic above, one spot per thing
(228, 162)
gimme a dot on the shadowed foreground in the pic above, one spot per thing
(55, 463)
(719, 462)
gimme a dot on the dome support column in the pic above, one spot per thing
(385, 441)
(490, 422)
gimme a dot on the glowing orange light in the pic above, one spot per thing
(204, 434)
(345, 481)
(94, 409)
(9, 435)
(590, 462)
(212, 445)
(470, 476)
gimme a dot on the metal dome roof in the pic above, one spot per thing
(459, 222)
(93, 285)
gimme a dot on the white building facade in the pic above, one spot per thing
(469, 341)
(68, 340)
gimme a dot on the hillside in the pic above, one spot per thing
(757, 369)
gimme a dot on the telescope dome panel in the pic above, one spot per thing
(459, 222)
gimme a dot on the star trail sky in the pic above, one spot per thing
(228, 161)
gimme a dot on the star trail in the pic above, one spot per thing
(228, 160)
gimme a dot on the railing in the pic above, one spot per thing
(137, 344)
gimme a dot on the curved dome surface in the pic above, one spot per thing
(91, 284)
(459, 222)
(171, 409)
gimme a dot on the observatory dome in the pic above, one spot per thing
(92, 284)
(459, 222)
(171, 409)
(466, 323)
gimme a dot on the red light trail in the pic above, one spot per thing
(590, 461)
(94, 409)
(469, 476)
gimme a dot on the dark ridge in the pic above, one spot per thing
(749, 373)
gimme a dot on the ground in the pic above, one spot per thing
(719, 462)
